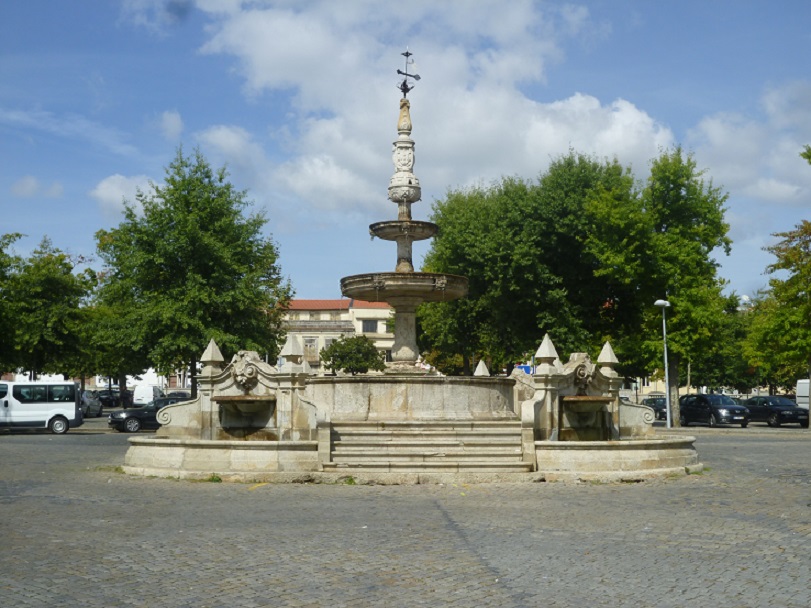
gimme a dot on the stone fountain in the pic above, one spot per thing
(404, 289)
(252, 421)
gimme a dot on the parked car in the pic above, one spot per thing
(712, 410)
(774, 411)
(134, 419)
(91, 404)
(659, 406)
(180, 394)
(109, 398)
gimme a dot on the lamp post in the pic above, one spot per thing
(664, 304)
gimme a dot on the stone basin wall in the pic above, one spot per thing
(411, 398)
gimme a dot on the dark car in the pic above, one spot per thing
(109, 398)
(774, 411)
(658, 405)
(134, 419)
(712, 410)
(180, 394)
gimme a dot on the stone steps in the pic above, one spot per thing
(424, 446)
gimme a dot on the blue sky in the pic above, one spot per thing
(298, 99)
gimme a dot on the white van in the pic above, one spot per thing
(802, 393)
(55, 406)
(145, 393)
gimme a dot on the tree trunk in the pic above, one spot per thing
(193, 373)
(675, 410)
(122, 389)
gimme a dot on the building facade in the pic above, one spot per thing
(319, 323)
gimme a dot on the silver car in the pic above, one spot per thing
(91, 404)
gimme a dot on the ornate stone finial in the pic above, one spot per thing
(607, 360)
(404, 128)
(211, 359)
(607, 357)
(481, 369)
(292, 350)
(546, 352)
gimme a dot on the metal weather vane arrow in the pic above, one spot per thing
(404, 86)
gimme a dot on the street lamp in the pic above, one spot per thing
(664, 304)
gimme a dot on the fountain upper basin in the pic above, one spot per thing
(420, 286)
(394, 229)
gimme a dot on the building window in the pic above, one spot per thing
(369, 326)
(311, 349)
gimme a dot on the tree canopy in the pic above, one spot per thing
(353, 355)
(187, 265)
(581, 254)
(44, 294)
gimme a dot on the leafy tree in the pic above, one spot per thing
(769, 346)
(353, 355)
(660, 244)
(722, 362)
(790, 287)
(521, 245)
(45, 296)
(191, 266)
(8, 264)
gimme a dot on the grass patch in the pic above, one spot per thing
(111, 469)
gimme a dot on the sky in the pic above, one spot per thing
(299, 101)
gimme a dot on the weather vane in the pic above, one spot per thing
(404, 86)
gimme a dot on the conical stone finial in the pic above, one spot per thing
(481, 369)
(211, 359)
(546, 352)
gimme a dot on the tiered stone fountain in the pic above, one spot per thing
(404, 289)
(253, 421)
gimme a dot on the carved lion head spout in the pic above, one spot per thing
(245, 368)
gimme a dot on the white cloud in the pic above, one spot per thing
(55, 190)
(25, 187)
(112, 191)
(171, 125)
(30, 187)
(758, 157)
(473, 122)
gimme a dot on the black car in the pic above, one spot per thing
(712, 410)
(133, 420)
(658, 405)
(774, 411)
(109, 398)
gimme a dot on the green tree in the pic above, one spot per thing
(790, 286)
(45, 294)
(769, 345)
(9, 263)
(722, 362)
(661, 244)
(353, 355)
(521, 245)
(191, 266)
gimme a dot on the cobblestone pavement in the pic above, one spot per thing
(75, 532)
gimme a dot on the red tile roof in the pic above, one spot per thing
(342, 304)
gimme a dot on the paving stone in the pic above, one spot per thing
(77, 533)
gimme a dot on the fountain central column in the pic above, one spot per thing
(404, 290)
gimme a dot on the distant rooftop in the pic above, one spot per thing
(341, 304)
